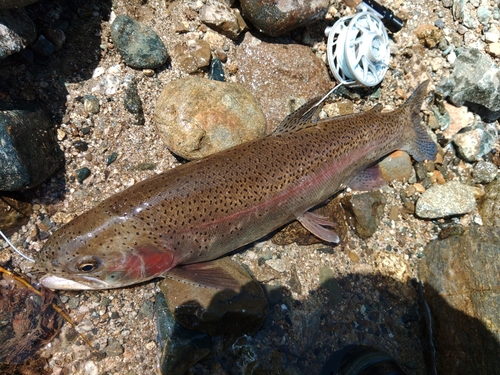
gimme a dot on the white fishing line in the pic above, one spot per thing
(17, 251)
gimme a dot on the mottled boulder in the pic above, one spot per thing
(29, 152)
(302, 76)
(197, 117)
(461, 283)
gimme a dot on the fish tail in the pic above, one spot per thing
(420, 146)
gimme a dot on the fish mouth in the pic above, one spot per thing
(60, 283)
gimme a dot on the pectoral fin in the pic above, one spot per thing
(316, 225)
(207, 274)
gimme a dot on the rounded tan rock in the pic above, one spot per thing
(196, 117)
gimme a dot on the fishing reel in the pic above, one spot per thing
(358, 45)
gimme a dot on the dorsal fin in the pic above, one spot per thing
(377, 108)
(301, 118)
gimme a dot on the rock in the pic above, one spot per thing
(181, 348)
(396, 167)
(91, 104)
(302, 76)
(461, 283)
(15, 211)
(494, 49)
(17, 31)
(450, 199)
(216, 70)
(458, 9)
(82, 174)
(193, 56)
(132, 101)
(489, 207)
(475, 82)
(459, 118)
(196, 117)
(365, 211)
(484, 172)
(139, 46)
(220, 17)
(214, 311)
(429, 35)
(475, 141)
(43, 47)
(81, 145)
(56, 36)
(483, 15)
(29, 153)
(277, 18)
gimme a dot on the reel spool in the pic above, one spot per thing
(358, 48)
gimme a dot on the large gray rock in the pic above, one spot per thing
(449, 199)
(16, 31)
(461, 284)
(475, 82)
(29, 152)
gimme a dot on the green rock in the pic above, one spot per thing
(139, 46)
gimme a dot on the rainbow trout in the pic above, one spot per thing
(173, 224)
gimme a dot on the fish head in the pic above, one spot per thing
(88, 253)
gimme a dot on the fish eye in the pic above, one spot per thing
(88, 264)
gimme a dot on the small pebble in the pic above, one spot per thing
(111, 158)
(82, 174)
(484, 172)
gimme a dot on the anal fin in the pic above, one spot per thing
(206, 274)
(370, 179)
(316, 224)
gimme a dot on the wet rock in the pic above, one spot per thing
(193, 56)
(214, 311)
(461, 283)
(29, 152)
(302, 76)
(139, 46)
(91, 104)
(132, 101)
(475, 82)
(450, 199)
(277, 18)
(16, 31)
(43, 47)
(484, 172)
(429, 35)
(14, 213)
(181, 348)
(365, 211)
(82, 174)
(396, 167)
(220, 17)
(197, 117)
(475, 141)
(216, 70)
(56, 37)
(489, 208)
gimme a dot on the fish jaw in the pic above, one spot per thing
(60, 283)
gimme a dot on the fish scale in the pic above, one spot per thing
(204, 209)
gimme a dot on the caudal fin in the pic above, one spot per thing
(421, 146)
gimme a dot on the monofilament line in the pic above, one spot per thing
(17, 251)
